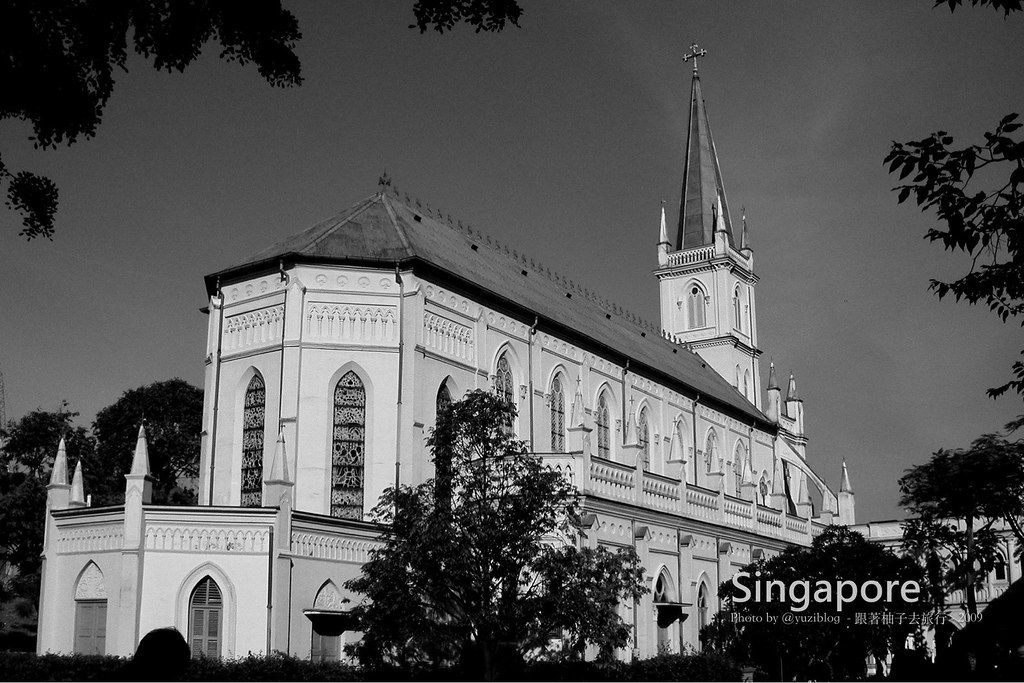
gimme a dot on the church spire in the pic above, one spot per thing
(703, 188)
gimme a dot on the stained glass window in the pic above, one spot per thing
(253, 419)
(503, 380)
(603, 435)
(644, 439)
(348, 447)
(557, 417)
(205, 617)
(444, 398)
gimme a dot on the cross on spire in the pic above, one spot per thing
(694, 53)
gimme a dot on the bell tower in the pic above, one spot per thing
(706, 275)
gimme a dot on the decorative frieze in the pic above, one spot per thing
(350, 323)
(449, 337)
(327, 547)
(208, 539)
(90, 539)
(253, 329)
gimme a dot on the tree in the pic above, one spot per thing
(173, 414)
(985, 220)
(826, 644)
(479, 567)
(484, 15)
(955, 499)
(28, 458)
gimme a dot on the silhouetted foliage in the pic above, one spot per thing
(58, 59)
(483, 15)
(955, 499)
(173, 413)
(1006, 6)
(31, 444)
(480, 566)
(816, 648)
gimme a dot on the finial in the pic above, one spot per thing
(78, 487)
(59, 473)
(844, 484)
(773, 383)
(693, 54)
(140, 460)
(385, 180)
(663, 238)
(744, 243)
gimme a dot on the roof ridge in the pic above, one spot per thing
(603, 303)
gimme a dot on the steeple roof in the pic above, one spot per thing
(702, 180)
(382, 231)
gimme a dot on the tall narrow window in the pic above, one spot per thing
(557, 416)
(737, 472)
(661, 596)
(703, 610)
(737, 310)
(348, 447)
(763, 490)
(695, 307)
(503, 380)
(710, 453)
(603, 435)
(206, 610)
(643, 435)
(746, 385)
(253, 419)
(444, 398)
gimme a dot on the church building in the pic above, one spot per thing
(327, 357)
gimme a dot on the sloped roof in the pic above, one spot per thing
(384, 230)
(702, 180)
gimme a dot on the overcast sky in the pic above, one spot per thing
(560, 138)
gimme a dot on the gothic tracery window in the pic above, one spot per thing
(253, 420)
(503, 380)
(557, 416)
(444, 398)
(695, 307)
(603, 428)
(644, 439)
(737, 309)
(348, 450)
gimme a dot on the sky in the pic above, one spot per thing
(560, 138)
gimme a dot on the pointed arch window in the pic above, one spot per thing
(661, 596)
(737, 309)
(737, 467)
(603, 428)
(503, 380)
(695, 305)
(763, 490)
(643, 435)
(444, 397)
(711, 453)
(206, 611)
(253, 425)
(746, 385)
(557, 416)
(703, 611)
(348, 450)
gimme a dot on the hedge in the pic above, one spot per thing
(22, 666)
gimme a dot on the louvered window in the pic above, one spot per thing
(91, 627)
(603, 428)
(503, 380)
(206, 615)
(557, 417)
(253, 419)
(348, 450)
(644, 439)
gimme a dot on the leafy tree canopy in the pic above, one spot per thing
(481, 566)
(173, 414)
(955, 500)
(484, 15)
(815, 649)
(31, 444)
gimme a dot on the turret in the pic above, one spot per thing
(795, 407)
(780, 501)
(774, 395)
(847, 504)
(804, 506)
(663, 243)
(77, 488)
(138, 481)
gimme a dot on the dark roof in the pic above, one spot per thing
(702, 180)
(383, 230)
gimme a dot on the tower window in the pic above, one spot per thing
(695, 308)
(737, 310)
(253, 418)
(348, 447)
